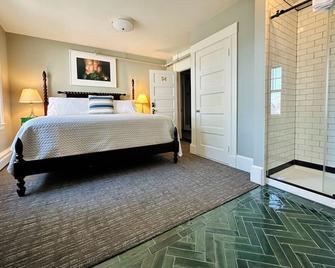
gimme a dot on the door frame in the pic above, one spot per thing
(182, 65)
(230, 31)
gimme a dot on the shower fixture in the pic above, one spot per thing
(297, 7)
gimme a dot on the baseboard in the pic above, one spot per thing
(244, 163)
(247, 164)
(232, 161)
(327, 201)
(4, 158)
(193, 149)
(257, 175)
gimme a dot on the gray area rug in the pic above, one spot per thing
(80, 219)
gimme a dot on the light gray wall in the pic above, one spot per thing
(29, 56)
(259, 72)
(243, 13)
(5, 130)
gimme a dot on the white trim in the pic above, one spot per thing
(234, 90)
(193, 148)
(193, 108)
(229, 31)
(176, 61)
(179, 55)
(232, 160)
(327, 201)
(5, 157)
(182, 65)
(244, 163)
(180, 61)
(180, 105)
(257, 175)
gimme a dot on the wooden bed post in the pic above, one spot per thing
(175, 145)
(18, 174)
(132, 89)
(45, 93)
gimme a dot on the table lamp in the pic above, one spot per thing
(31, 96)
(142, 99)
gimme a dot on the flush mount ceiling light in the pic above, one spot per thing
(123, 24)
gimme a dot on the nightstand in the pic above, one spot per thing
(25, 119)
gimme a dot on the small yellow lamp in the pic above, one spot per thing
(31, 96)
(142, 99)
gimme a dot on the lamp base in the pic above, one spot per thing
(32, 115)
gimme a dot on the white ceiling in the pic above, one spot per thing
(162, 27)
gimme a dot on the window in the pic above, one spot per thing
(275, 91)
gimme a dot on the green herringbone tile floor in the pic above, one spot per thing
(263, 228)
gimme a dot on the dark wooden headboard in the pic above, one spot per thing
(77, 94)
(80, 94)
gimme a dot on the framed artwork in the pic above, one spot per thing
(89, 69)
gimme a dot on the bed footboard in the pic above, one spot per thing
(24, 168)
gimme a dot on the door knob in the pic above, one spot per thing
(153, 105)
(198, 111)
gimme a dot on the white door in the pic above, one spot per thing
(213, 104)
(163, 93)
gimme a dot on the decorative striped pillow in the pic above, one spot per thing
(100, 104)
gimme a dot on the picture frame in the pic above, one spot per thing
(93, 70)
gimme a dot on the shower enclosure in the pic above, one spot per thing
(301, 96)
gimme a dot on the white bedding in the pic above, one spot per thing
(57, 136)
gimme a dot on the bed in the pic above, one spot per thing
(46, 143)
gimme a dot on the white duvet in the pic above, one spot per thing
(57, 136)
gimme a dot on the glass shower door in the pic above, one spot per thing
(301, 98)
(329, 152)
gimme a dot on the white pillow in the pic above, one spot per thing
(125, 106)
(67, 106)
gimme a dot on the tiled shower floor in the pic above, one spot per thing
(308, 178)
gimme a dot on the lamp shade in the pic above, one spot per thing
(142, 99)
(30, 95)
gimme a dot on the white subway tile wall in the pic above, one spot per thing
(311, 85)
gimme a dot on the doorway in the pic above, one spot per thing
(185, 92)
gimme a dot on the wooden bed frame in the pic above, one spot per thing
(24, 168)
